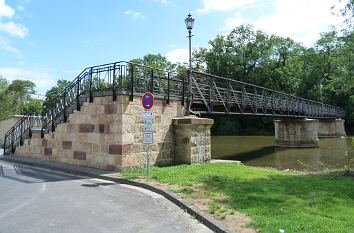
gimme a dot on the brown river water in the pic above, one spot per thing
(260, 151)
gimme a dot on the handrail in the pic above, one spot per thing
(256, 100)
(98, 78)
(16, 134)
(130, 78)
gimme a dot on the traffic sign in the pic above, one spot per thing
(148, 138)
(148, 125)
(147, 114)
(147, 100)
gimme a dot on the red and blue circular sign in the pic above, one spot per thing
(147, 100)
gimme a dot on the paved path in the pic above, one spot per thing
(35, 201)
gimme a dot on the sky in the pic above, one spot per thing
(47, 40)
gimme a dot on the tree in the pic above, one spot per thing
(347, 13)
(52, 94)
(15, 97)
(155, 61)
(6, 108)
(32, 107)
(20, 90)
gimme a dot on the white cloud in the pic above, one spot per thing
(135, 14)
(6, 46)
(235, 21)
(10, 28)
(14, 29)
(161, 1)
(224, 5)
(43, 78)
(179, 55)
(5, 10)
(301, 20)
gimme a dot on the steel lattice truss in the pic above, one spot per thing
(212, 95)
(218, 95)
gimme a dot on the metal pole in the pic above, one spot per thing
(190, 64)
(148, 161)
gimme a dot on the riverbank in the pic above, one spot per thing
(244, 197)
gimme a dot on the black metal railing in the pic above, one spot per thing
(20, 131)
(111, 79)
(218, 95)
(212, 95)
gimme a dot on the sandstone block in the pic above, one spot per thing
(86, 128)
(80, 155)
(48, 151)
(120, 149)
(67, 145)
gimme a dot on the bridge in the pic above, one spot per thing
(123, 82)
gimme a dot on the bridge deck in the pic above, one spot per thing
(211, 95)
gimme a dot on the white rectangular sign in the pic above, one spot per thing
(147, 125)
(148, 138)
(148, 115)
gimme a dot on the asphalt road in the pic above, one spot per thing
(35, 201)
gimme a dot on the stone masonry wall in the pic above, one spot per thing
(192, 139)
(109, 135)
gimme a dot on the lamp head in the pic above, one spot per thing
(189, 22)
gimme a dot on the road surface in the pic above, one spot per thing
(35, 201)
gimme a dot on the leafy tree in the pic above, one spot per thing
(155, 61)
(51, 94)
(6, 108)
(20, 91)
(32, 107)
(347, 13)
(324, 72)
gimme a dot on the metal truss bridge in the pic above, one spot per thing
(211, 95)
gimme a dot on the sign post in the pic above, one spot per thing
(148, 101)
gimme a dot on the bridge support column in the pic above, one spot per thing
(331, 128)
(296, 133)
(192, 139)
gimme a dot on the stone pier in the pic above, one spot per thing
(331, 128)
(192, 139)
(296, 133)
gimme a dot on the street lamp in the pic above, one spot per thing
(189, 25)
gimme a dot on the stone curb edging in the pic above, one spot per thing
(208, 221)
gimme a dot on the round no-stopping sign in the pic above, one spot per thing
(147, 100)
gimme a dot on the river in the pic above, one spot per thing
(260, 151)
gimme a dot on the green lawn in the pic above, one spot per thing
(274, 200)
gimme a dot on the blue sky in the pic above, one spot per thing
(47, 40)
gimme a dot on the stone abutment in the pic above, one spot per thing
(108, 134)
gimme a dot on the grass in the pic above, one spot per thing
(274, 200)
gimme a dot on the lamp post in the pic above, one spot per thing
(189, 25)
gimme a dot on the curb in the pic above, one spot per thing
(202, 217)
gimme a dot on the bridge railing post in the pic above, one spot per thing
(131, 97)
(42, 130)
(183, 89)
(210, 94)
(52, 116)
(228, 97)
(78, 94)
(90, 86)
(114, 95)
(168, 88)
(64, 106)
(152, 82)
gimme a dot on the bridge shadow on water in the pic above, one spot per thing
(253, 154)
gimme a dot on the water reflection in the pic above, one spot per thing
(259, 151)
